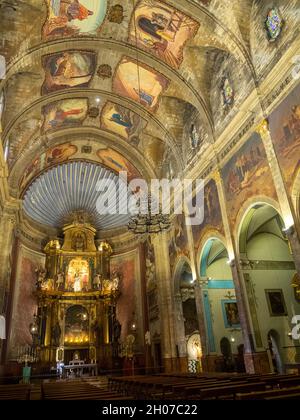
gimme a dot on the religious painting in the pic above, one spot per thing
(230, 314)
(68, 69)
(54, 156)
(64, 114)
(247, 174)
(285, 132)
(178, 244)
(274, 24)
(126, 266)
(25, 305)
(77, 278)
(139, 82)
(121, 121)
(118, 163)
(212, 213)
(276, 302)
(73, 17)
(162, 30)
(76, 325)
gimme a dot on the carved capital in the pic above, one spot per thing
(263, 128)
(217, 177)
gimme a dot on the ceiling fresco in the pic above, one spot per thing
(122, 121)
(57, 155)
(118, 163)
(162, 30)
(139, 83)
(143, 81)
(73, 17)
(67, 70)
(64, 114)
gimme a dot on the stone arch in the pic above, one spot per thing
(252, 202)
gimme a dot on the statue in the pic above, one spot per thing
(77, 283)
(115, 282)
(117, 328)
(41, 276)
(56, 333)
(194, 137)
(148, 338)
(97, 332)
(97, 281)
(60, 281)
(78, 242)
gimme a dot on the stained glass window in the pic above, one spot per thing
(228, 92)
(274, 24)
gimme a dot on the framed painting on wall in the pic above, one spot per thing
(276, 302)
(231, 314)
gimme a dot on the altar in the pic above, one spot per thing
(79, 369)
(77, 297)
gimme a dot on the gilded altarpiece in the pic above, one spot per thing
(77, 297)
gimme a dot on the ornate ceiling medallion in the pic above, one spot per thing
(274, 24)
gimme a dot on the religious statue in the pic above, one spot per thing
(148, 338)
(116, 331)
(41, 276)
(194, 137)
(78, 242)
(97, 281)
(56, 333)
(77, 283)
(115, 281)
(60, 281)
(97, 332)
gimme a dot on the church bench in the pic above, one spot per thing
(220, 391)
(285, 397)
(269, 393)
(15, 392)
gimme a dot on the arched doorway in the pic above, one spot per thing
(268, 271)
(220, 307)
(187, 325)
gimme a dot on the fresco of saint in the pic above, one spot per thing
(121, 121)
(73, 17)
(66, 113)
(139, 83)
(68, 69)
(162, 30)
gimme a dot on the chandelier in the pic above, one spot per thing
(146, 221)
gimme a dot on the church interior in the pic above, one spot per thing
(117, 305)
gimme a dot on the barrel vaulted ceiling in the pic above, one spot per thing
(135, 84)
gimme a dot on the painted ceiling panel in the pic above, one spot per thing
(71, 187)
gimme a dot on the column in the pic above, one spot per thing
(253, 362)
(166, 307)
(284, 200)
(180, 334)
(199, 298)
(7, 225)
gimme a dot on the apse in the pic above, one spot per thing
(71, 188)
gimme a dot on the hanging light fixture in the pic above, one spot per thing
(148, 222)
